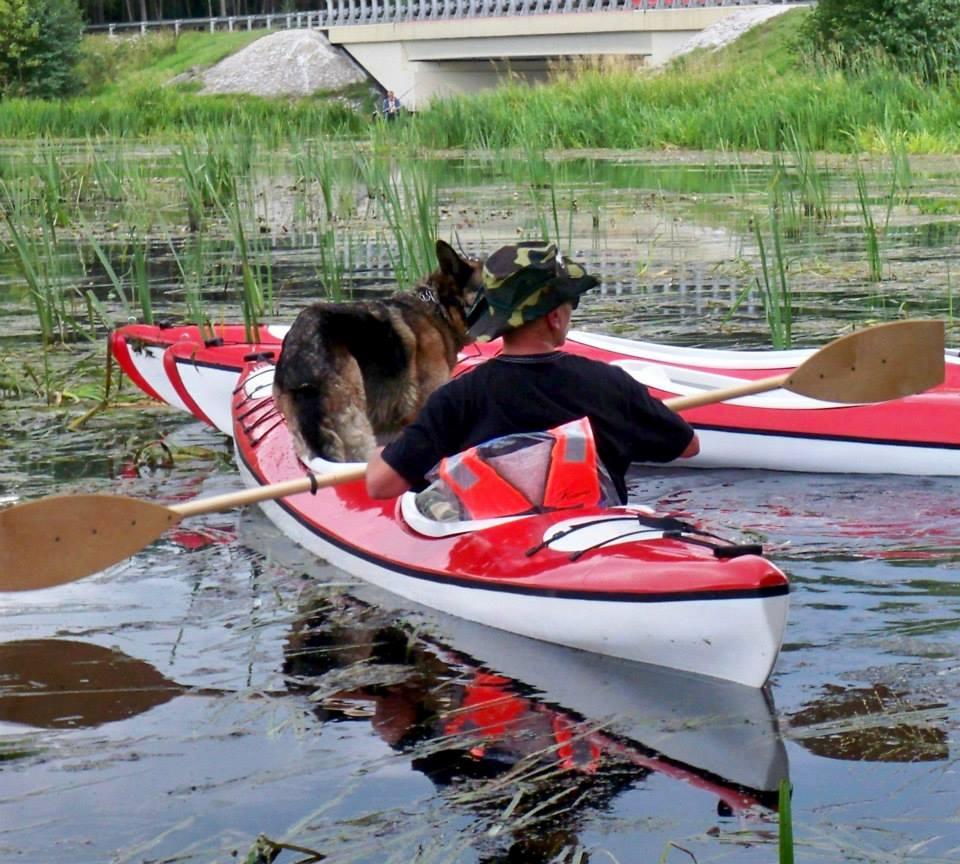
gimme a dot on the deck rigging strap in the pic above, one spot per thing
(628, 517)
(670, 526)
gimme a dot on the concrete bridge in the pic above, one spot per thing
(422, 49)
(453, 49)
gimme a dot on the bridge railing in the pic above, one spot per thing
(338, 13)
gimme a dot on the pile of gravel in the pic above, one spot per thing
(731, 27)
(285, 63)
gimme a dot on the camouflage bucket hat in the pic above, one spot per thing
(521, 283)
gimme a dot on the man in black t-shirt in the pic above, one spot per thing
(529, 295)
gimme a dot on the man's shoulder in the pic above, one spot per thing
(591, 366)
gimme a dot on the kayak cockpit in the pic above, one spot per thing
(425, 523)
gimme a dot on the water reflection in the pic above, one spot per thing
(66, 684)
(553, 746)
(548, 754)
(877, 723)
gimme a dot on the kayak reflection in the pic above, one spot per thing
(573, 729)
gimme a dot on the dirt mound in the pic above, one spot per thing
(286, 63)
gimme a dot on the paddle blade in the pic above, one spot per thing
(66, 537)
(873, 365)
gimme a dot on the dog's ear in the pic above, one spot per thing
(451, 264)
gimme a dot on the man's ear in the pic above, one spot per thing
(554, 318)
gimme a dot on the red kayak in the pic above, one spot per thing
(618, 581)
(916, 435)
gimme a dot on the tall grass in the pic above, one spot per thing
(874, 264)
(764, 96)
(774, 285)
(407, 194)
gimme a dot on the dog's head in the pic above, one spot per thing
(455, 284)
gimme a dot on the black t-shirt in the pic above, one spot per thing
(531, 393)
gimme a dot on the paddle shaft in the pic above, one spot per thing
(231, 500)
(709, 397)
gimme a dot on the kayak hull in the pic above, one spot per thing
(654, 599)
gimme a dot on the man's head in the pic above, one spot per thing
(522, 283)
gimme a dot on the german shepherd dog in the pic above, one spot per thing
(350, 373)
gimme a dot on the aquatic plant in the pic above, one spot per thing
(874, 264)
(407, 194)
(785, 836)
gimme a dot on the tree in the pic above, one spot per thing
(915, 34)
(39, 46)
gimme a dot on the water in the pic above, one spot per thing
(221, 684)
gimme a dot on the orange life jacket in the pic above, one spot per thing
(480, 488)
(572, 479)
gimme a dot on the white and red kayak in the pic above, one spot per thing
(614, 581)
(916, 435)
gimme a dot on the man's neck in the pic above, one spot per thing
(521, 344)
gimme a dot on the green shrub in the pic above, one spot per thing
(917, 35)
(39, 47)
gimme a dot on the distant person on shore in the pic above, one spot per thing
(391, 106)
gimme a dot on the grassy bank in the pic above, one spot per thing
(762, 92)
(759, 93)
(128, 91)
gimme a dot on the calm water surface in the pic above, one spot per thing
(221, 684)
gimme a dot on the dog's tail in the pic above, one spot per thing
(309, 423)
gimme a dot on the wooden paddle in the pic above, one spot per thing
(884, 362)
(59, 539)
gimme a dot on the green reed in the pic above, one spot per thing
(118, 284)
(774, 286)
(111, 176)
(54, 189)
(785, 835)
(407, 194)
(874, 264)
(35, 253)
(191, 261)
(814, 182)
(255, 269)
(208, 179)
(313, 168)
(776, 290)
(542, 179)
(336, 261)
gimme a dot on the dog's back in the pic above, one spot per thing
(349, 372)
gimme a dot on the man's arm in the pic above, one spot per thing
(382, 480)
